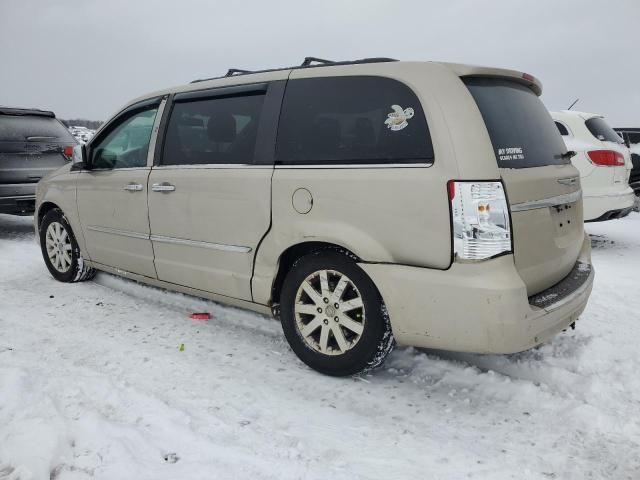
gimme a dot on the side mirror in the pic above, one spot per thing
(79, 158)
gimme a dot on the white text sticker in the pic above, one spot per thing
(511, 153)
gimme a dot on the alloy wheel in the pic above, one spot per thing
(329, 312)
(58, 246)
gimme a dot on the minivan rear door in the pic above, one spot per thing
(210, 190)
(542, 186)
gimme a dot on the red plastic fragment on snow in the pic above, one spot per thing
(200, 316)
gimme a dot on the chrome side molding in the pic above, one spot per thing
(351, 166)
(171, 240)
(115, 231)
(547, 202)
(195, 243)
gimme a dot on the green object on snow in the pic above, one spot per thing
(181, 347)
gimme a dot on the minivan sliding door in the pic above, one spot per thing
(210, 194)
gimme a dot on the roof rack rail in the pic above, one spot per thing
(235, 71)
(309, 62)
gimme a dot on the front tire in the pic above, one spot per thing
(333, 315)
(60, 249)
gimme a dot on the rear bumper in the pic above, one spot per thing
(612, 215)
(18, 198)
(596, 207)
(479, 307)
(18, 205)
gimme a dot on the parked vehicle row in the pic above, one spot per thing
(604, 163)
(631, 137)
(33, 143)
(81, 134)
(363, 203)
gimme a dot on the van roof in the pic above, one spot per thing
(374, 65)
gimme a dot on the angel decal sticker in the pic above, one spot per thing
(397, 120)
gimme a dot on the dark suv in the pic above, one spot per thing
(631, 137)
(32, 144)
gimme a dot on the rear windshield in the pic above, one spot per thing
(16, 128)
(521, 129)
(600, 129)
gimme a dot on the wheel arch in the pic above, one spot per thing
(45, 208)
(70, 216)
(293, 253)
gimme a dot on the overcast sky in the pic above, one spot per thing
(85, 58)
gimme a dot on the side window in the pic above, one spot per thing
(562, 129)
(219, 130)
(127, 145)
(359, 119)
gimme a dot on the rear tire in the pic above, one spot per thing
(60, 249)
(333, 315)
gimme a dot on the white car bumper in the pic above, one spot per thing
(608, 205)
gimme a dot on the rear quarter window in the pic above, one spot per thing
(16, 128)
(352, 120)
(562, 129)
(522, 132)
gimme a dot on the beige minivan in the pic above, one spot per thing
(363, 203)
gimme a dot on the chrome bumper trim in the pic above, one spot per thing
(547, 202)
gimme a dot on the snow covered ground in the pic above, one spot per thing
(93, 384)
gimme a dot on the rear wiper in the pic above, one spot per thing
(568, 154)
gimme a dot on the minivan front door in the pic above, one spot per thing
(210, 195)
(112, 195)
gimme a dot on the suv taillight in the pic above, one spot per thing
(606, 158)
(480, 219)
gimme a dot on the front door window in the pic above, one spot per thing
(127, 145)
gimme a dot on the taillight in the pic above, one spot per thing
(606, 158)
(480, 217)
(67, 151)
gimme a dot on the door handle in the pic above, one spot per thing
(164, 187)
(133, 187)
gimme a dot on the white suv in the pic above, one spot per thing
(604, 163)
(361, 202)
